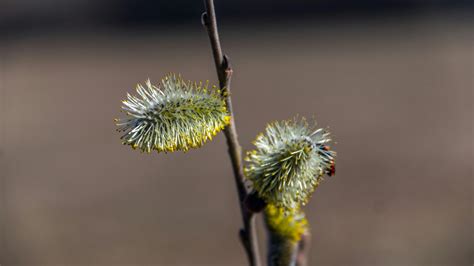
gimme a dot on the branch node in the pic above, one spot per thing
(254, 203)
(226, 64)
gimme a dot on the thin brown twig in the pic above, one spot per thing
(224, 72)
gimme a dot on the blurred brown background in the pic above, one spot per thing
(395, 89)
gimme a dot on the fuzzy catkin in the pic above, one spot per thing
(285, 229)
(288, 163)
(175, 115)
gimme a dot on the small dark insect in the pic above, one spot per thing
(332, 169)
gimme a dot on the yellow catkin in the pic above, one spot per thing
(174, 115)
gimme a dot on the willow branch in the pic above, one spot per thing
(224, 73)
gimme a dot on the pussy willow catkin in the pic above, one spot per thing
(286, 224)
(289, 161)
(286, 228)
(174, 115)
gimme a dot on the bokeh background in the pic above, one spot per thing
(393, 79)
